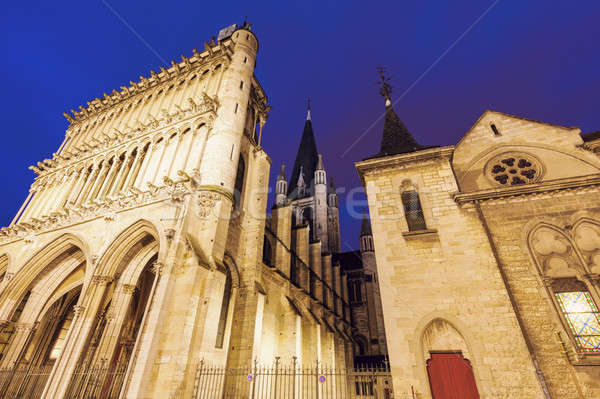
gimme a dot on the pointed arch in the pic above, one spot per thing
(3, 266)
(424, 329)
(553, 252)
(562, 261)
(129, 242)
(57, 253)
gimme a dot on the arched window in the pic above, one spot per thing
(413, 211)
(267, 252)
(239, 183)
(307, 217)
(59, 340)
(557, 255)
(224, 311)
(579, 311)
(354, 290)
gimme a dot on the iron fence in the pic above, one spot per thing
(292, 382)
(91, 382)
(23, 381)
(29, 382)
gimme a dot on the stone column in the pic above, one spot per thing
(115, 319)
(281, 225)
(300, 243)
(315, 264)
(20, 338)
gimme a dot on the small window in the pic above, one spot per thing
(413, 211)
(495, 130)
(242, 85)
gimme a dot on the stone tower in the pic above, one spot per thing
(141, 254)
(313, 201)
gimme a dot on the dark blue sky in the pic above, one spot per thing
(538, 59)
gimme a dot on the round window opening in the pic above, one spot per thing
(513, 169)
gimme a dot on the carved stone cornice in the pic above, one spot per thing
(25, 327)
(158, 268)
(370, 165)
(128, 288)
(78, 310)
(217, 190)
(550, 186)
(594, 278)
(107, 208)
(217, 54)
(101, 280)
(208, 107)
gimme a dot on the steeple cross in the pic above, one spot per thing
(386, 88)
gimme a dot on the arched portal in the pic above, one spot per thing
(123, 293)
(38, 306)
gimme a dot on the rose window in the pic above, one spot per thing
(513, 169)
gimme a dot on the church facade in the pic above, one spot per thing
(143, 253)
(489, 251)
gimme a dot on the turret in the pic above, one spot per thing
(320, 174)
(332, 197)
(281, 187)
(320, 184)
(366, 235)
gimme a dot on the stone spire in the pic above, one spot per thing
(308, 111)
(320, 174)
(306, 157)
(366, 235)
(320, 165)
(396, 138)
(281, 187)
(365, 227)
(332, 198)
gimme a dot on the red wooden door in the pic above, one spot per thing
(451, 377)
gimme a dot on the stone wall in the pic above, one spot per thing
(446, 273)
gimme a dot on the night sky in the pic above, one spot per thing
(451, 60)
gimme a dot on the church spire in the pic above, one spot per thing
(308, 110)
(365, 227)
(306, 157)
(396, 137)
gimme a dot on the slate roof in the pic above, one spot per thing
(591, 136)
(306, 157)
(348, 260)
(396, 138)
(365, 227)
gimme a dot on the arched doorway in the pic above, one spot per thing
(124, 301)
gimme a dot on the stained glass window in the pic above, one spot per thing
(583, 318)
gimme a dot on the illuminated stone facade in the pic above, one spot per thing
(489, 251)
(138, 254)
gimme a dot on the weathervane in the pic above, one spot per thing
(386, 88)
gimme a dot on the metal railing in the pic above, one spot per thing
(293, 382)
(23, 381)
(97, 382)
